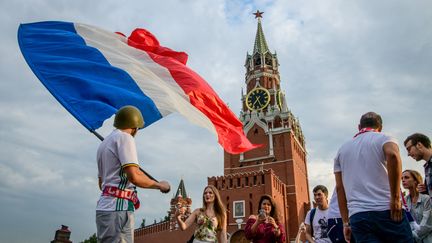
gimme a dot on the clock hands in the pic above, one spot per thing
(257, 99)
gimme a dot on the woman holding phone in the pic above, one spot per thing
(266, 226)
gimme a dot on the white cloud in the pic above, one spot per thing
(338, 60)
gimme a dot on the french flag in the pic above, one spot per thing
(93, 73)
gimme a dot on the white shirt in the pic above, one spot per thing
(116, 152)
(364, 172)
(319, 223)
(334, 212)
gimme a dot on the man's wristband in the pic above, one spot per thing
(346, 225)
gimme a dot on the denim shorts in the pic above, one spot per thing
(377, 226)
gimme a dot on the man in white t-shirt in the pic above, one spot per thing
(316, 218)
(118, 174)
(368, 175)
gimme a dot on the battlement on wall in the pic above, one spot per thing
(153, 228)
(247, 179)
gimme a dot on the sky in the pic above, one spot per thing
(338, 59)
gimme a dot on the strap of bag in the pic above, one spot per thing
(311, 217)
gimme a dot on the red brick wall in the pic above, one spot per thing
(288, 163)
(160, 233)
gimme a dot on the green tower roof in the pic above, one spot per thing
(260, 45)
(181, 190)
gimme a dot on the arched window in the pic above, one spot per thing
(268, 60)
(257, 60)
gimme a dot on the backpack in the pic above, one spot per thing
(311, 217)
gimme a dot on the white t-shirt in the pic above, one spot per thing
(116, 152)
(334, 212)
(364, 172)
(319, 223)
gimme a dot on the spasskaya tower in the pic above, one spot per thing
(278, 168)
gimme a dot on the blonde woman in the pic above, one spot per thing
(210, 220)
(419, 206)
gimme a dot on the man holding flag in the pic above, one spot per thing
(93, 73)
(119, 173)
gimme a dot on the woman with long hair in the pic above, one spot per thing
(419, 206)
(266, 225)
(210, 220)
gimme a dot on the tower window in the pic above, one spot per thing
(257, 61)
(268, 60)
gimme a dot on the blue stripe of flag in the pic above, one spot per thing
(79, 76)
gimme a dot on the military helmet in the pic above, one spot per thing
(128, 117)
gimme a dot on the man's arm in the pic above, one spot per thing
(343, 205)
(100, 183)
(394, 169)
(138, 178)
(422, 188)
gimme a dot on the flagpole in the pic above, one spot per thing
(102, 138)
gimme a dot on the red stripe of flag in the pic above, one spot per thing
(201, 95)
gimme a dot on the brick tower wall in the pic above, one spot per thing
(288, 163)
(249, 187)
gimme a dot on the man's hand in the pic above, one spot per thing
(396, 210)
(164, 186)
(421, 188)
(347, 233)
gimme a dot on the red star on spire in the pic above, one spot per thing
(258, 14)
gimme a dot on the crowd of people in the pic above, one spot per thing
(367, 204)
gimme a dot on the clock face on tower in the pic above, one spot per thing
(280, 97)
(258, 99)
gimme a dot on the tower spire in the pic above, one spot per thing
(181, 190)
(260, 45)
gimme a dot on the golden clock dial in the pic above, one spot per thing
(280, 97)
(258, 99)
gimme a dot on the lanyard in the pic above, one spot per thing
(364, 130)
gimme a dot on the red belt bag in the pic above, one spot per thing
(128, 195)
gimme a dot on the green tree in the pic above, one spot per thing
(91, 239)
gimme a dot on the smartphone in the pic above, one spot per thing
(262, 213)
